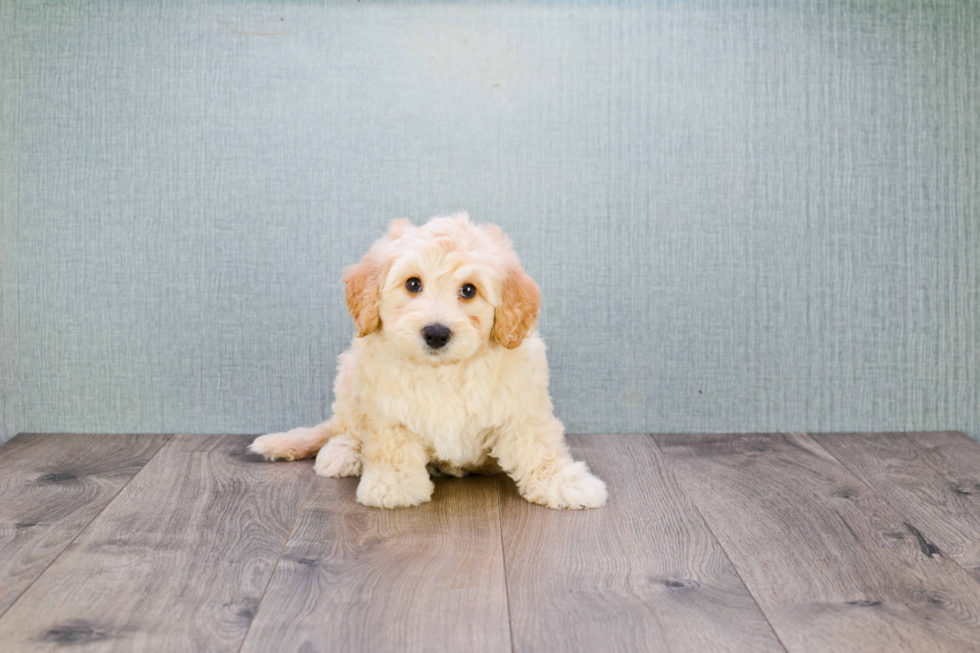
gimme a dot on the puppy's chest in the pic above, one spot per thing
(451, 415)
(440, 404)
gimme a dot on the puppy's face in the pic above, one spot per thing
(442, 292)
(436, 303)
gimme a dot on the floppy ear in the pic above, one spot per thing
(364, 280)
(520, 300)
(364, 293)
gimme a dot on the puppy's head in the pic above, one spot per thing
(444, 291)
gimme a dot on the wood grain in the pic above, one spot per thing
(177, 562)
(931, 478)
(353, 578)
(642, 573)
(833, 566)
(52, 486)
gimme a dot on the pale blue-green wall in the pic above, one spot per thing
(743, 215)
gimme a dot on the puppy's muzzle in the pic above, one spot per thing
(436, 335)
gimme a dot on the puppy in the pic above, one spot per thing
(447, 374)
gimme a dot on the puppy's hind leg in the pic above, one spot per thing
(341, 456)
(437, 470)
(298, 443)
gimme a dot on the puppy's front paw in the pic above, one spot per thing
(340, 457)
(388, 489)
(574, 488)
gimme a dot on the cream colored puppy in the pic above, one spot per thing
(447, 374)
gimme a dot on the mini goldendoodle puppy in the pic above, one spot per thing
(447, 374)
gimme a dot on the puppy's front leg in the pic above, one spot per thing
(536, 456)
(394, 473)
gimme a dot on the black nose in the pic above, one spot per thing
(436, 335)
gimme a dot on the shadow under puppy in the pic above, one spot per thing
(447, 373)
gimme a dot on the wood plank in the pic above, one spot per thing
(52, 486)
(177, 562)
(353, 578)
(833, 567)
(643, 573)
(931, 478)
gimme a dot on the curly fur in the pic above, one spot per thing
(404, 410)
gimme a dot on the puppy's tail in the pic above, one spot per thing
(292, 445)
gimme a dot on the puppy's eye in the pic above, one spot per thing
(467, 291)
(413, 285)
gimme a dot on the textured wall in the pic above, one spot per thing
(744, 216)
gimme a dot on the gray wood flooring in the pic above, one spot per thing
(787, 542)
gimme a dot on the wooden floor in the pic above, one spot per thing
(798, 543)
